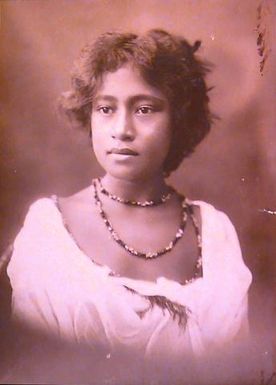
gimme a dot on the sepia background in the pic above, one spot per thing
(234, 168)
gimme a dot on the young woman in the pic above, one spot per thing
(128, 268)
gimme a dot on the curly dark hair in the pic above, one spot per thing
(165, 61)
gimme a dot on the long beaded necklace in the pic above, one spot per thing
(131, 250)
(164, 198)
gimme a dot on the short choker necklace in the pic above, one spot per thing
(164, 198)
(131, 250)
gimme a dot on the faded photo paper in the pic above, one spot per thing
(169, 309)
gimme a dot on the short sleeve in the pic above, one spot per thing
(30, 303)
(52, 289)
(227, 279)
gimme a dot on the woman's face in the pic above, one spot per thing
(130, 125)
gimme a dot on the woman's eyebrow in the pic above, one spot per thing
(107, 98)
(132, 99)
(146, 97)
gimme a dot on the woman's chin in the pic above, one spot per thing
(133, 175)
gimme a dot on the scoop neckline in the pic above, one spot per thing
(110, 273)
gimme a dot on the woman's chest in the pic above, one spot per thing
(97, 241)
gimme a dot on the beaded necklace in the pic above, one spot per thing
(131, 250)
(164, 198)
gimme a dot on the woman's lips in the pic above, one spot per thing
(123, 151)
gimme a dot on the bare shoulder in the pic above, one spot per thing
(81, 197)
(197, 214)
(75, 205)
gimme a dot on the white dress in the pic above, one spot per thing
(61, 292)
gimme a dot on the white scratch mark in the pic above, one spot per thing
(268, 211)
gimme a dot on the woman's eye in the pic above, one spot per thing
(144, 110)
(105, 110)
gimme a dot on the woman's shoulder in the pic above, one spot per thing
(43, 232)
(79, 200)
(214, 219)
(206, 207)
(217, 228)
(41, 216)
(41, 209)
(46, 207)
(221, 244)
(41, 204)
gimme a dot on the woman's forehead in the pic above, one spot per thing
(126, 81)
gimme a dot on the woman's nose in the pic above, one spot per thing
(122, 127)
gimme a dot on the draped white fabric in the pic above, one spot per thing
(57, 289)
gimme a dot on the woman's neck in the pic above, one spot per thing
(138, 190)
